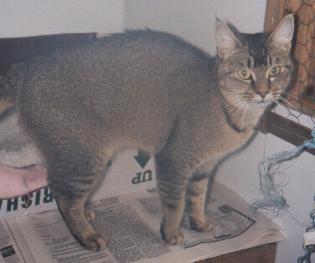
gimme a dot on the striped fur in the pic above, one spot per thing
(149, 90)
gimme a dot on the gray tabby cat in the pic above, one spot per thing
(153, 91)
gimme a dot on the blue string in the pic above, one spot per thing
(267, 169)
(310, 144)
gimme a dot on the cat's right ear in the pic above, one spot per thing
(282, 35)
(226, 40)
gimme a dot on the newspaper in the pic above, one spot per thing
(128, 214)
(131, 222)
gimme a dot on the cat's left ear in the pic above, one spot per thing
(226, 40)
(282, 35)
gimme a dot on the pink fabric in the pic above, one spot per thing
(17, 182)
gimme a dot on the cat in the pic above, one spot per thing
(153, 91)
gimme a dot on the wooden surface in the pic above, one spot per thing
(275, 11)
(302, 95)
(261, 254)
(286, 129)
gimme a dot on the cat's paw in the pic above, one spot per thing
(94, 242)
(172, 237)
(201, 225)
(89, 214)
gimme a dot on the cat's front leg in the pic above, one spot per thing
(172, 182)
(196, 196)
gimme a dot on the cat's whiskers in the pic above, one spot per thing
(235, 108)
(276, 93)
(284, 92)
(219, 107)
(222, 107)
(245, 114)
(240, 107)
(279, 94)
(287, 102)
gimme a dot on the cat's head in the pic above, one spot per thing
(254, 69)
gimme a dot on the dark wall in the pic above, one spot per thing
(14, 50)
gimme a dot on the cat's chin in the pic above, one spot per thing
(262, 105)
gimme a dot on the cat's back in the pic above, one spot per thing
(125, 62)
(134, 77)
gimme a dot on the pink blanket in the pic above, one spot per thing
(17, 182)
(17, 150)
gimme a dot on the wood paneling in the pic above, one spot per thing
(302, 95)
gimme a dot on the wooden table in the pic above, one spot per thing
(261, 254)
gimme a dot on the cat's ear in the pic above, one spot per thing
(282, 35)
(226, 40)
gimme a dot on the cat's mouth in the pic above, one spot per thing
(263, 103)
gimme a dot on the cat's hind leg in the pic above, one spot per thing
(74, 214)
(73, 176)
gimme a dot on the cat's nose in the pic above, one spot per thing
(262, 88)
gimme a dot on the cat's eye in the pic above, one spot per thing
(244, 74)
(274, 71)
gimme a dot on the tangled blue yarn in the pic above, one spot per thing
(271, 192)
